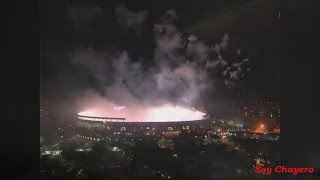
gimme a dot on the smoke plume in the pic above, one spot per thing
(182, 72)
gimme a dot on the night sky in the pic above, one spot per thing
(106, 29)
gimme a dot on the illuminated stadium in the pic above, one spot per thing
(161, 121)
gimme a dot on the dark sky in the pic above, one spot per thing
(66, 26)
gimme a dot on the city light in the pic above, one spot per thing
(261, 128)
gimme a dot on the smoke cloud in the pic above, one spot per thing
(130, 19)
(182, 72)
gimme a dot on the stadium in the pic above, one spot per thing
(161, 122)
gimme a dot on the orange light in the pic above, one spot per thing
(261, 128)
